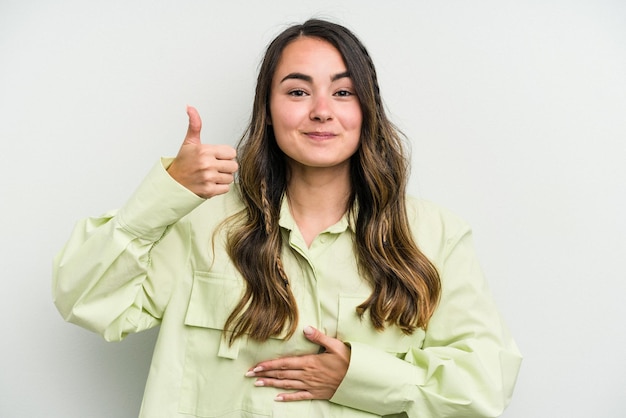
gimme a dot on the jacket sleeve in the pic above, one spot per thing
(104, 279)
(467, 365)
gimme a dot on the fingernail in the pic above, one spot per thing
(250, 374)
(259, 383)
(308, 330)
(257, 369)
(278, 399)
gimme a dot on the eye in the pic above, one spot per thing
(344, 93)
(297, 93)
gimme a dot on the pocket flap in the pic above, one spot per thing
(213, 298)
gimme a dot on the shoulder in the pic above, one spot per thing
(426, 214)
(434, 227)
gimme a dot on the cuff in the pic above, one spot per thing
(372, 371)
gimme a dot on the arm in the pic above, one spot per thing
(467, 365)
(105, 279)
(102, 278)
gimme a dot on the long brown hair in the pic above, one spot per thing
(406, 285)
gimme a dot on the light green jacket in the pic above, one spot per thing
(152, 262)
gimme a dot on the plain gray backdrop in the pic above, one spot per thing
(516, 116)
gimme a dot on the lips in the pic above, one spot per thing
(320, 135)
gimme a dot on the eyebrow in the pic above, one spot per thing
(309, 79)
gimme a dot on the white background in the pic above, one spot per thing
(516, 114)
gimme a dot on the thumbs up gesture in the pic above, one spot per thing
(207, 170)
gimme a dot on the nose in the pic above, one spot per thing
(320, 110)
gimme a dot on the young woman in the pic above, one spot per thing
(311, 286)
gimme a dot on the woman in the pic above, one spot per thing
(316, 235)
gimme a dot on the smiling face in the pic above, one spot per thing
(314, 110)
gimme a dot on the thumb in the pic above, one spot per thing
(195, 124)
(319, 338)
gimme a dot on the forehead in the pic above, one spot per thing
(310, 54)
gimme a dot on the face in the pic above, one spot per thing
(314, 110)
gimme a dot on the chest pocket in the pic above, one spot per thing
(352, 328)
(213, 298)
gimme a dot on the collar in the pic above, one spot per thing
(287, 222)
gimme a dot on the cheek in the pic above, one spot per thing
(283, 116)
(354, 118)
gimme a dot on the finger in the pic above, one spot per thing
(195, 125)
(209, 183)
(224, 152)
(286, 384)
(222, 172)
(279, 374)
(215, 190)
(281, 364)
(316, 336)
(294, 396)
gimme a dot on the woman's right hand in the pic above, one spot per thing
(205, 169)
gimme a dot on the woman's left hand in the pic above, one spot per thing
(312, 376)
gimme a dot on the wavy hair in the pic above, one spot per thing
(405, 284)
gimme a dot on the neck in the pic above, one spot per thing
(318, 198)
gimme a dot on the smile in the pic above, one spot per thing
(320, 135)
